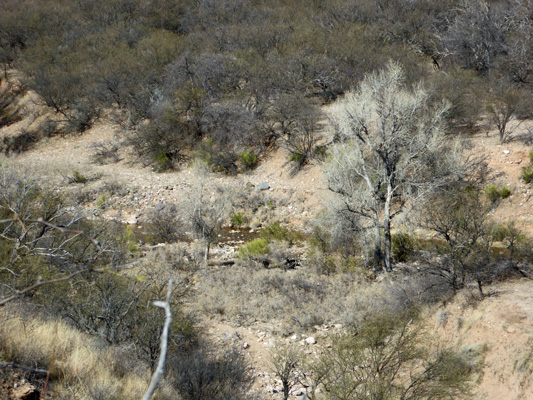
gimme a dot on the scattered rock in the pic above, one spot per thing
(310, 340)
(25, 392)
(245, 345)
(506, 152)
(297, 392)
(132, 220)
(263, 186)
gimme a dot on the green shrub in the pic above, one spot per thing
(238, 219)
(257, 247)
(296, 158)
(281, 233)
(404, 246)
(163, 161)
(492, 192)
(248, 159)
(219, 161)
(505, 192)
(527, 173)
(531, 156)
(388, 343)
(101, 202)
(495, 193)
(130, 240)
(78, 178)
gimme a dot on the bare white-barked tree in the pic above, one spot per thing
(390, 151)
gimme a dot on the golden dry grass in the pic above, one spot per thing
(78, 363)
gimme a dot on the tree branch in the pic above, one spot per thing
(164, 344)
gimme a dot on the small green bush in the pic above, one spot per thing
(321, 152)
(163, 161)
(281, 233)
(404, 246)
(505, 192)
(238, 219)
(78, 178)
(495, 193)
(219, 161)
(492, 192)
(248, 159)
(527, 173)
(130, 240)
(531, 156)
(101, 202)
(257, 247)
(296, 158)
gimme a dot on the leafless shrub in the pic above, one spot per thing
(18, 142)
(105, 152)
(204, 374)
(286, 360)
(206, 208)
(164, 224)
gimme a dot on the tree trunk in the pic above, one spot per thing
(378, 253)
(207, 246)
(387, 259)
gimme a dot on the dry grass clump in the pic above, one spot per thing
(79, 364)
(300, 298)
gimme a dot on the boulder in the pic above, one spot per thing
(310, 340)
(25, 392)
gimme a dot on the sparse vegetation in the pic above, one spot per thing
(78, 178)
(495, 193)
(248, 159)
(380, 94)
(393, 361)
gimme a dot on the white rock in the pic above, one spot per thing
(132, 220)
(245, 345)
(506, 152)
(310, 340)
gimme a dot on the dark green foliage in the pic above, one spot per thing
(216, 158)
(389, 357)
(492, 192)
(163, 161)
(78, 178)
(527, 173)
(248, 159)
(505, 192)
(119, 310)
(42, 238)
(404, 246)
(460, 218)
